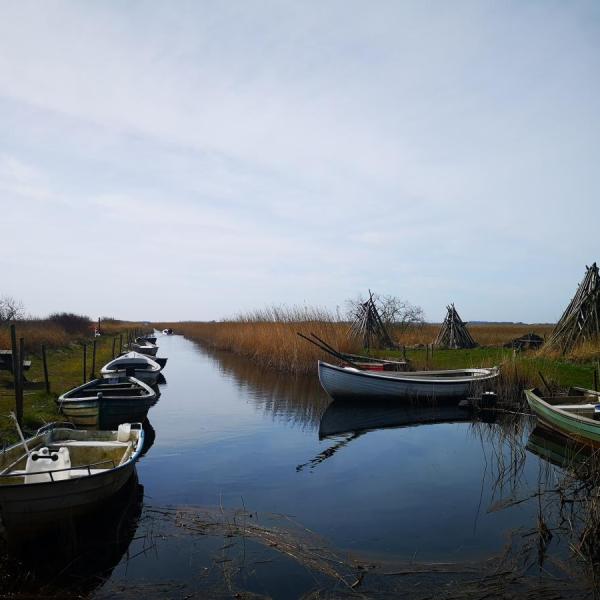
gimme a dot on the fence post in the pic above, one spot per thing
(16, 372)
(120, 343)
(113, 346)
(93, 374)
(84, 363)
(45, 363)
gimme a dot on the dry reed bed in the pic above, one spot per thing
(38, 332)
(270, 337)
(273, 345)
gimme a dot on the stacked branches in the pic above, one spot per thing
(579, 323)
(453, 333)
(368, 327)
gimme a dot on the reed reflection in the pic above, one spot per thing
(296, 399)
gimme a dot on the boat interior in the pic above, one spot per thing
(579, 401)
(67, 454)
(458, 374)
(108, 388)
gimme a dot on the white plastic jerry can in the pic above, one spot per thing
(41, 462)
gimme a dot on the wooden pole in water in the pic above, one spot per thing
(93, 374)
(113, 346)
(45, 363)
(84, 363)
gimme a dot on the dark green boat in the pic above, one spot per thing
(574, 414)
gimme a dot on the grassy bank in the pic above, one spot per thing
(65, 369)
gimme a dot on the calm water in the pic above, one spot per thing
(226, 437)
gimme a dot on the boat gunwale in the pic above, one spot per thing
(481, 374)
(128, 463)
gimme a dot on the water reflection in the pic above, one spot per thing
(559, 450)
(359, 416)
(149, 437)
(77, 555)
(300, 400)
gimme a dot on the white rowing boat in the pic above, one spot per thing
(138, 365)
(61, 471)
(107, 400)
(144, 347)
(351, 383)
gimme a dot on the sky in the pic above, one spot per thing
(194, 160)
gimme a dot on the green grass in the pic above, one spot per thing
(563, 373)
(65, 370)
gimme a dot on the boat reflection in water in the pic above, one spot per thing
(562, 451)
(350, 419)
(77, 555)
(359, 416)
(149, 437)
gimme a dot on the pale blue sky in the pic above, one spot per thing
(188, 160)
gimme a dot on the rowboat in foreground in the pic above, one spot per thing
(573, 414)
(348, 382)
(61, 471)
(111, 399)
(144, 347)
(138, 365)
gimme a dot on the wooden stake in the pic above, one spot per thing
(15, 368)
(113, 346)
(93, 374)
(84, 363)
(45, 363)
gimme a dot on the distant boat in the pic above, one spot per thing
(61, 471)
(348, 382)
(144, 347)
(573, 414)
(146, 338)
(114, 399)
(167, 331)
(138, 365)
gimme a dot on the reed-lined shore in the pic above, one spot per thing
(271, 340)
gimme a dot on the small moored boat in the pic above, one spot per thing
(146, 338)
(113, 399)
(574, 414)
(144, 347)
(348, 382)
(138, 365)
(61, 471)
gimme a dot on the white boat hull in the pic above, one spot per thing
(43, 503)
(349, 383)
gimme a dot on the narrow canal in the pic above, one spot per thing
(254, 484)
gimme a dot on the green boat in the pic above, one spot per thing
(573, 414)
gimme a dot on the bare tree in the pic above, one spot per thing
(10, 309)
(389, 315)
(399, 314)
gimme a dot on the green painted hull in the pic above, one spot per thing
(575, 425)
